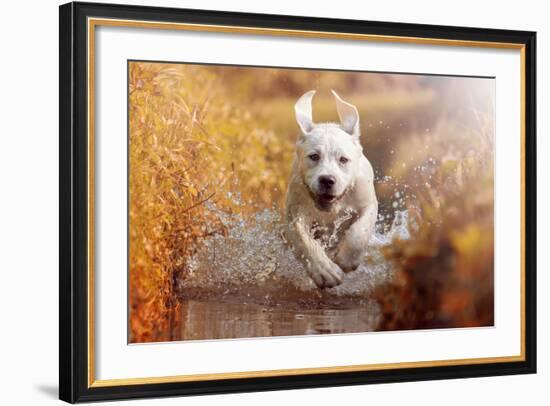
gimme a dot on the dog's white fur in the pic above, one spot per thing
(329, 222)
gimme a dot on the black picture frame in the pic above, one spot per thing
(73, 253)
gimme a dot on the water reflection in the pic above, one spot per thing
(214, 320)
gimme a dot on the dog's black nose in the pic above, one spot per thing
(327, 181)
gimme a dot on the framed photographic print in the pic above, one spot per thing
(258, 202)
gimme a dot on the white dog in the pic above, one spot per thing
(331, 205)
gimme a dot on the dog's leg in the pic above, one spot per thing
(353, 247)
(324, 272)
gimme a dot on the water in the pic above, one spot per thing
(235, 319)
(248, 283)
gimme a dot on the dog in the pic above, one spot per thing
(331, 206)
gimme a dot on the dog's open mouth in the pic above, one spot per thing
(325, 201)
(327, 198)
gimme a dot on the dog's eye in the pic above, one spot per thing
(344, 160)
(314, 157)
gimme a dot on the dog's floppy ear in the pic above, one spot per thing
(349, 116)
(303, 112)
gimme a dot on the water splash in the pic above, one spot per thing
(253, 261)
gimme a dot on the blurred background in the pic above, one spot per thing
(225, 135)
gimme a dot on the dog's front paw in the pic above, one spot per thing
(326, 274)
(347, 262)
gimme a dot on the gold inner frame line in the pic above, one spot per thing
(94, 22)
